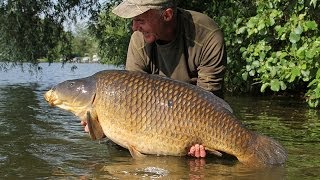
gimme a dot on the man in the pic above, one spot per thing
(180, 44)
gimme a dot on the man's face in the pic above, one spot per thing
(149, 24)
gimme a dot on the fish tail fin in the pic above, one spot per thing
(265, 151)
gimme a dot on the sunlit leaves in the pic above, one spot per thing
(318, 74)
(264, 87)
(310, 25)
(295, 72)
(275, 85)
(298, 30)
(294, 38)
(313, 3)
(313, 94)
(280, 47)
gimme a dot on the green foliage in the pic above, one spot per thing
(230, 15)
(84, 43)
(32, 29)
(113, 35)
(276, 47)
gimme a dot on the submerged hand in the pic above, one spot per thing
(197, 151)
(85, 126)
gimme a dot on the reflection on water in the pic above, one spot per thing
(18, 115)
(184, 168)
(42, 142)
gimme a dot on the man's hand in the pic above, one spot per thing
(85, 126)
(197, 151)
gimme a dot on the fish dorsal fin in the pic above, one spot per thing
(95, 129)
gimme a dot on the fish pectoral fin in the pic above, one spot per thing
(95, 129)
(213, 151)
(135, 153)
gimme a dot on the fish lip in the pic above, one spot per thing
(54, 103)
(52, 98)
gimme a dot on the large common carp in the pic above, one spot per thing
(151, 114)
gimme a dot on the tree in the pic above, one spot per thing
(32, 29)
(83, 43)
(113, 35)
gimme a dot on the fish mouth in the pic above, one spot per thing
(52, 98)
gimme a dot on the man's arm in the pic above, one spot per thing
(136, 58)
(212, 66)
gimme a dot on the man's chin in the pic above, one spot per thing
(149, 39)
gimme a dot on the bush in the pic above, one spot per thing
(273, 45)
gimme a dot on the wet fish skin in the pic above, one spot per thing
(149, 114)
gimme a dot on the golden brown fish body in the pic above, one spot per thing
(150, 114)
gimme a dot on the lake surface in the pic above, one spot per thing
(40, 142)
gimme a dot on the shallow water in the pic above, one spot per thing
(41, 142)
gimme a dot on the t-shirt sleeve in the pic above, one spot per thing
(136, 59)
(213, 64)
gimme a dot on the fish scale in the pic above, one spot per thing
(151, 114)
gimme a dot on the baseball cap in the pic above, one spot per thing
(132, 8)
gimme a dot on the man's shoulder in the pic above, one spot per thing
(200, 19)
(138, 40)
(198, 26)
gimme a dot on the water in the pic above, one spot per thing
(40, 142)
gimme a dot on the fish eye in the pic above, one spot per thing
(71, 84)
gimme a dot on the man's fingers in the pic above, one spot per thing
(86, 128)
(202, 151)
(83, 123)
(197, 150)
(191, 151)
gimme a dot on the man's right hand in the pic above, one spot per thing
(197, 151)
(85, 126)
